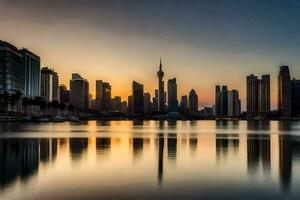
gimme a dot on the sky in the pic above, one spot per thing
(202, 42)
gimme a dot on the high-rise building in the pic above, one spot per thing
(172, 95)
(155, 101)
(64, 94)
(130, 104)
(161, 90)
(258, 95)
(103, 96)
(124, 107)
(147, 103)
(138, 98)
(116, 103)
(79, 92)
(193, 102)
(284, 92)
(12, 74)
(295, 97)
(224, 101)
(234, 105)
(49, 84)
(32, 73)
(184, 104)
(218, 101)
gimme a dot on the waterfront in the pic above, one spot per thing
(150, 159)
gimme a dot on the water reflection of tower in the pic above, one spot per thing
(172, 146)
(18, 157)
(258, 148)
(77, 147)
(137, 146)
(161, 144)
(285, 161)
(224, 142)
(103, 145)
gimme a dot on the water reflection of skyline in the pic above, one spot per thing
(22, 157)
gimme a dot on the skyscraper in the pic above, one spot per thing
(130, 104)
(79, 92)
(138, 98)
(124, 107)
(258, 95)
(147, 103)
(11, 69)
(224, 101)
(49, 84)
(234, 105)
(103, 96)
(193, 102)
(64, 94)
(284, 92)
(184, 104)
(32, 72)
(155, 101)
(218, 101)
(295, 97)
(172, 95)
(116, 103)
(161, 90)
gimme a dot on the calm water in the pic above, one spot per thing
(150, 159)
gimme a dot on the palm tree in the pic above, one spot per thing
(12, 102)
(25, 103)
(55, 104)
(62, 107)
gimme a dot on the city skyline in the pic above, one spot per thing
(197, 47)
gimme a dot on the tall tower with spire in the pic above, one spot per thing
(161, 90)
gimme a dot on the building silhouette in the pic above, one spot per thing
(79, 92)
(31, 65)
(64, 94)
(155, 101)
(147, 103)
(138, 98)
(124, 107)
(172, 95)
(184, 104)
(258, 95)
(12, 74)
(116, 103)
(161, 90)
(295, 98)
(103, 96)
(49, 84)
(234, 103)
(218, 101)
(284, 92)
(130, 104)
(193, 102)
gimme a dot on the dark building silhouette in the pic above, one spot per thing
(103, 96)
(12, 73)
(218, 101)
(124, 107)
(64, 94)
(234, 103)
(193, 102)
(79, 92)
(116, 103)
(258, 95)
(284, 92)
(31, 65)
(49, 84)
(224, 101)
(172, 95)
(227, 103)
(295, 98)
(161, 90)
(130, 104)
(184, 104)
(138, 98)
(155, 101)
(147, 103)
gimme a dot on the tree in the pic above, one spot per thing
(25, 103)
(12, 101)
(18, 98)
